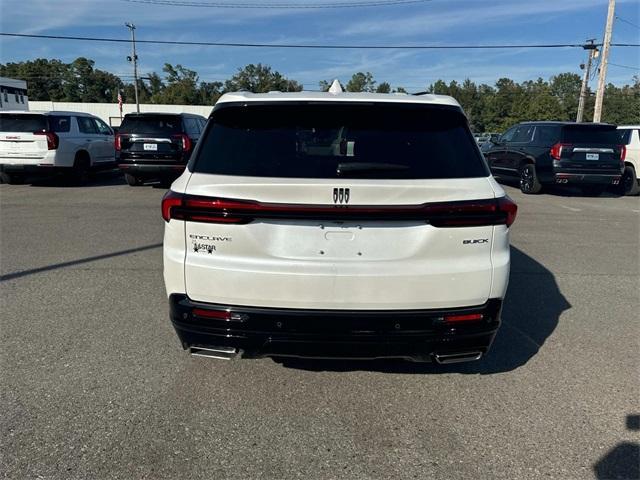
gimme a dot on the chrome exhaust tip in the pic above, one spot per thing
(445, 358)
(220, 353)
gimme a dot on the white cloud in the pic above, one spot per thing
(449, 18)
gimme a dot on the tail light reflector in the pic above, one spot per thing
(52, 139)
(467, 213)
(217, 314)
(470, 317)
(117, 142)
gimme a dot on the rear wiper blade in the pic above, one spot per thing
(368, 167)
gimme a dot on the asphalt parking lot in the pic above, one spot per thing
(96, 385)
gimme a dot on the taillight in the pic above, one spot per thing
(556, 150)
(467, 213)
(623, 153)
(509, 208)
(185, 141)
(170, 201)
(52, 139)
(117, 142)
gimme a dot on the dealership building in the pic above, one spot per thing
(13, 94)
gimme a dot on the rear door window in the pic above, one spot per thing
(625, 135)
(12, 122)
(152, 124)
(597, 134)
(59, 123)
(86, 125)
(547, 134)
(340, 140)
(192, 127)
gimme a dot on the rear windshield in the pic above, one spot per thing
(17, 122)
(152, 124)
(586, 134)
(338, 140)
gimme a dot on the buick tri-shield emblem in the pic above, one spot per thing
(341, 195)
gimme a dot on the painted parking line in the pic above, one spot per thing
(571, 208)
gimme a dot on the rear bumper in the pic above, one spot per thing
(168, 169)
(253, 332)
(604, 178)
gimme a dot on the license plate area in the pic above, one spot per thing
(150, 147)
(592, 156)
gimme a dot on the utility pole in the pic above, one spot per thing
(602, 79)
(593, 53)
(134, 58)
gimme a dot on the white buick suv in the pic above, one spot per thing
(41, 143)
(337, 225)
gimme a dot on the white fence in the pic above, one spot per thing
(110, 113)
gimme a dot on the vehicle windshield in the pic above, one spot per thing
(338, 140)
(19, 122)
(152, 124)
(600, 134)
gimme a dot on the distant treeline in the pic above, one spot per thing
(489, 107)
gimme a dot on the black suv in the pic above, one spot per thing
(557, 153)
(156, 145)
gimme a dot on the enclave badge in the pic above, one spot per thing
(341, 195)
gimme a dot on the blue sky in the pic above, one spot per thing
(431, 22)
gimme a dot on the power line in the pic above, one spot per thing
(291, 5)
(624, 66)
(627, 22)
(310, 46)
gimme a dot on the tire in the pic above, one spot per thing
(132, 180)
(629, 183)
(593, 190)
(529, 183)
(81, 165)
(13, 178)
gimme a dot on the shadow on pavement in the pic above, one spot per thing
(56, 266)
(96, 179)
(622, 461)
(530, 314)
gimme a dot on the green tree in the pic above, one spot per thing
(260, 79)
(181, 87)
(361, 82)
(384, 87)
(45, 78)
(565, 87)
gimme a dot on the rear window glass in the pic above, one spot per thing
(22, 123)
(339, 141)
(152, 124)
(587, 134)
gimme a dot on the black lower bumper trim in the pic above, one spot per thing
(152, 169)
(408, 334)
